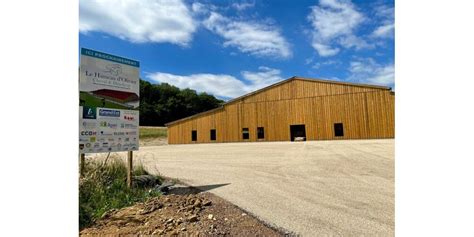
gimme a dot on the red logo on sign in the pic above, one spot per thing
(129, 118)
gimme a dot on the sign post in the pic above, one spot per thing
(129, 169)
(82, 163)
(109, 88)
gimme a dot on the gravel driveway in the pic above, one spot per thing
(310, 188)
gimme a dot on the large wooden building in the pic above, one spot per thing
(296, 108)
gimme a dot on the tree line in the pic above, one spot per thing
(163, 103)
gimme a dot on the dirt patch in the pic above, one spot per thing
(187, 213)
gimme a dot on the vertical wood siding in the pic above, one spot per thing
(365, 113)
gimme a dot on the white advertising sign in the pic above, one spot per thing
(108, 106)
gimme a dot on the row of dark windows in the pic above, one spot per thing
(338, 132)
(194, 135)
(245, 134)
(260, 133)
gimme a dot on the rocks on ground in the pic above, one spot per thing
(201, 214)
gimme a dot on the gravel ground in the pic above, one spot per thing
(309, 188)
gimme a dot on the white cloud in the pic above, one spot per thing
(198, 7)
(334, 23)
(384, 31)
(265, 77)
(308, 61)
(325, 63)
(139, 21)
(217, 84)
(387, 27)
(221, 85)
(325, 50)
(334, 18)
(243, 6)
(257, 39)
(354, 41)
(371, 72)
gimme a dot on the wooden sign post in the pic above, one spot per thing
(129, 169)
(82, 164)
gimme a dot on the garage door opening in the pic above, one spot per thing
(298, 132)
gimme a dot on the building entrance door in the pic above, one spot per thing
(298, 132)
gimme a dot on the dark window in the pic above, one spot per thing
(213, 134)
(194, 135)
(260, 133)
(338, 130)
(245, 133)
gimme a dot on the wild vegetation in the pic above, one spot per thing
(153, 132)
(103, 187)
(163, 103)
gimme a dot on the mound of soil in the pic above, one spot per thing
(195, 214)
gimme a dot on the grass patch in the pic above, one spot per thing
(153, 132)
(104, 187)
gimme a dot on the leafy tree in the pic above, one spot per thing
(163, 103)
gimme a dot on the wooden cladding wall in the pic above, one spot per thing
(296, 89)
(365, 113)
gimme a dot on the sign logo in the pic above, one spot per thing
(129, 118)
(128, 126)
(114, 69)
(88, 124)
(109, 113)
(89, 112)
(88, 133)
(105, 133)
(108, 124)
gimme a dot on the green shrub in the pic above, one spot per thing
(104, 187)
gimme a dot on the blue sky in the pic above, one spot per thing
(229, 48)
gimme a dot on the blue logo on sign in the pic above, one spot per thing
(109, 113)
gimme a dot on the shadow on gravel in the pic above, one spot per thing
(184, 190)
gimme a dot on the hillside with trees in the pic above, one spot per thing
(163, 103)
